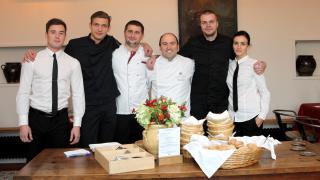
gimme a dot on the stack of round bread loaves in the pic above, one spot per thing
(244, 154)
(220, 129)
(235, 144)
(187, 130)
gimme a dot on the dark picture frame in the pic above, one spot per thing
(188, 14)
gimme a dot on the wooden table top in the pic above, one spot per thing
(289, 164)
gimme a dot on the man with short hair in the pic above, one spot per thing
(128, 63)
(172, 74)
(42, 98)
(94, 53)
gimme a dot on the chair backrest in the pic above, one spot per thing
(309, 128)
(279, 113)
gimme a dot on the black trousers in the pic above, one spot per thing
(98, 124)
(128, 129)
(248, 128)
(199, 108)
(47, 131)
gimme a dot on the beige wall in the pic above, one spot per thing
(274, 26)
(26, 25)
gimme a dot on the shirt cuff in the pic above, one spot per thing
(23, 120)
(77, 121)
(262, 116)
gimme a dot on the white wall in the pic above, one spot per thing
(274, 26)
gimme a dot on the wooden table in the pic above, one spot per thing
(51, 163)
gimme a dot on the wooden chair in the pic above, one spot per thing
(286, 133)
(309, 128)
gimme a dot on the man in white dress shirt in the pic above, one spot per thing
(172, 74)
(42, 98)
(128, 64)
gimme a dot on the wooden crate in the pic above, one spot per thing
(125, 158)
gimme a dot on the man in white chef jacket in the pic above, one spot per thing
(172, 73)
(129, 68)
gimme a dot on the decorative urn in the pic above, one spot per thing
(305, 65)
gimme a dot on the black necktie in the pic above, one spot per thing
(54, 86)
(235, 89)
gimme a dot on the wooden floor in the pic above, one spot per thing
(7, 171)
(11, 166)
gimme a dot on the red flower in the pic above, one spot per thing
(160, 117)
(182, 108)
(167, 115)
(164, 107)
(151, 103)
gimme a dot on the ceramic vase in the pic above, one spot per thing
(11, 71)
(150, 138)
(305, 65)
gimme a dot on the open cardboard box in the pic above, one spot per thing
(124, 158)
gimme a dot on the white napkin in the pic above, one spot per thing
(261, 141)
(217, 117)
(109, 144)
(192, 121)
(76, 153)
(208, 160)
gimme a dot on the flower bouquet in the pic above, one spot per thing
(162, 111)
(155, 114)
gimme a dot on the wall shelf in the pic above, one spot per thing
(308, 47)
(306, 78)
(9, 84)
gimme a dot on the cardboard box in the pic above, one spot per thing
(124, 158)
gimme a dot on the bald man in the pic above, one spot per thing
(172, 74)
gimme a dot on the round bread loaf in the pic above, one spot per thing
(222, 147)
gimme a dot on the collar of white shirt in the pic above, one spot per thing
(244, 59)
(58, 53)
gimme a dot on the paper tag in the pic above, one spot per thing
(76, 153)
(109, 144)
(169, 142)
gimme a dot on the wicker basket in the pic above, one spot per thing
(220, 121)
(186, 154)
(242, 158)
(219, 126)
(192, 127)
(226, 132)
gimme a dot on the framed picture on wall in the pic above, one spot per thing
(189, 10)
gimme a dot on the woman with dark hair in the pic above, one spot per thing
(249, 97)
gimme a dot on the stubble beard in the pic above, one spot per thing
(210, 36)
(132, 45)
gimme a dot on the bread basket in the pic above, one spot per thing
(242, 158)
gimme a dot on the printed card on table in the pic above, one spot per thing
(169, 142)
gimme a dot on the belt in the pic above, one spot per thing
(45, 114)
